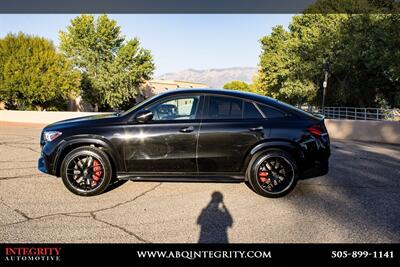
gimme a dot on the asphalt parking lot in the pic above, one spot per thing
(358, 201)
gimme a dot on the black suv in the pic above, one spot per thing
(189, 135)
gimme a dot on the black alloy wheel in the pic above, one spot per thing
(86, 171)
(273, 174)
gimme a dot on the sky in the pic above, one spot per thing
(177, 42)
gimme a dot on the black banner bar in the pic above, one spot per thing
(154, 6)
(199, 6)
(199, 254)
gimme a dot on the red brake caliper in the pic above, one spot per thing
(263, 176)
(97, 171)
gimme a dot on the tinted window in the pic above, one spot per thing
(183, 108)
(251, 112)
(224, 108)
(270, 112)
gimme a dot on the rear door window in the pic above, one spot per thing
(224, 108)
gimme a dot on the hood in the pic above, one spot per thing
(100, 119)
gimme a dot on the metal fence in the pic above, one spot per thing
(352, 113)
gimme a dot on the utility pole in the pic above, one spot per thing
(325, 84)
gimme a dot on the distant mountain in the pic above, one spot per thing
(213, 77)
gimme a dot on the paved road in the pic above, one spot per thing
(358, 201)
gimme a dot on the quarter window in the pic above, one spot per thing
(251, 112)
(270, 112)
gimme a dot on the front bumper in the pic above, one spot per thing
(48, 155)
(44, 166)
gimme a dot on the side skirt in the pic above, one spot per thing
(182, 178)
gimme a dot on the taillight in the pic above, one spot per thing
(317, 130)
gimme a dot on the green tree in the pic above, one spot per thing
(353, 7)
(237, 85)
(362, 50)
(278, 69)
(33, 75)
(113, 68)
(242, 86)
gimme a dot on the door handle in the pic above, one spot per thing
(187, 129)
(257, 129)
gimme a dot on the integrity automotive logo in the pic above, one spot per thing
(32, 254)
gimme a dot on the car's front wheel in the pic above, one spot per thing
(273, 174)
(86, 171)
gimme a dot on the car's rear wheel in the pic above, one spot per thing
(86, 171)
(273, 174)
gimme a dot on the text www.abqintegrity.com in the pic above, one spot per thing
(203, 254)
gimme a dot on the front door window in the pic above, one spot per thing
(183, 108)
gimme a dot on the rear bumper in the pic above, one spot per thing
(319, 168)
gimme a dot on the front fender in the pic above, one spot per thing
(76, 141)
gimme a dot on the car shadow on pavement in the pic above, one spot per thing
(114, 185)
(359, 195)
(214, 221)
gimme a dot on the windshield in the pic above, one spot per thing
(138, 105)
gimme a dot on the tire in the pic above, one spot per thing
(272, 173)
(94, 179)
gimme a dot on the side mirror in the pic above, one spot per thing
(144, 116)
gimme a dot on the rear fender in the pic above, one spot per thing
(286, 145)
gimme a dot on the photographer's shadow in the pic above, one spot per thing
(214, 221)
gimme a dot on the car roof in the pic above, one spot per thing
(213, 91)
(244, 95)
(241, 94)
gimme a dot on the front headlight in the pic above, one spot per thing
(51, 135)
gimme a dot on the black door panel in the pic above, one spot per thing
(223, 146)
(161, 148)
(231, 127)
(168, 142)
